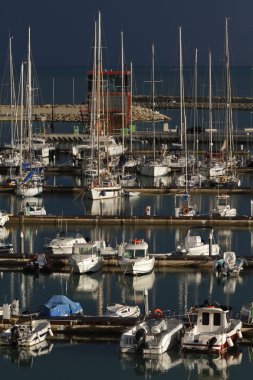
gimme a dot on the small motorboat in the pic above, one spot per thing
(38, 263)
(134, 258)
(229, 265)
(63, 243)
(5, 247)
(26, 334)
(85, 258)
(153, 336)
(213, 331)
(122, 311)
(4, 218)
(246, 314)
(198, 243)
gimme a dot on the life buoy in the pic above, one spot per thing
(158, 313)
(211, 307)
(136, 241)
(185, 211)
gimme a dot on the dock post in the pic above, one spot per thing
(146, 301)
(210, 240)
(22, 243)
(251, 207)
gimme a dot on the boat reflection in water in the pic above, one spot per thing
(4, 233)
(211, 367)
(113, 206)
(197, 366)
(84, 283)
(133, 287)
(24, 356)
(156, 364)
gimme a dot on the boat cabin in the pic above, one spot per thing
(136, 248)
(212, 319)
(85, 249)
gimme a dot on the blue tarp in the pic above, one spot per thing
(60, 306)
(28, 177)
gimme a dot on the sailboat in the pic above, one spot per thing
(30, 184)
(183, 205)
(156, 167)
(104, 186)
(229, 178)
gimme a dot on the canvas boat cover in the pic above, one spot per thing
(60, 306)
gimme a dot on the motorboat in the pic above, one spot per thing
(199, 241)
(38, 263)
(5, 247)
(63, 243)
(128, 193)
(152, 336)
(4, 218)
(213, 331)
(223, 207)
(60, 306)
(229, 265)
(184, 207)
(32, 209)
(153, 168)
(85, 258)
(246, 314)
(134, 258)
(26, 334)
(122, 311)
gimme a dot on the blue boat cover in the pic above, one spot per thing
(60, 306)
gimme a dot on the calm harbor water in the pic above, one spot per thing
(176, 290)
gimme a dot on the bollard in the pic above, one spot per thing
(147, 210)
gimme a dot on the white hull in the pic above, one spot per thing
(97, 193)
(64, 245)
(4, 218)
(160, 334)
(153, 170)
(81, 265)
(27, 335)
(203, 250)
(24, 191)
(137, 266)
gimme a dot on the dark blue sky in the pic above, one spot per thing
(62, 30)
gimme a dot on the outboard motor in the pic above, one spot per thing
(15, 334)
(140, 337)
(211, 342)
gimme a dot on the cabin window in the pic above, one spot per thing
(205, 318)
(140, 253)
(216, 319)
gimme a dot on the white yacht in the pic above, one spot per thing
(106, 188)
(229, 265)
(26, 334)
(134, 258)
(4, 218)
(214, 331)
(63, 243)
(85, 258)
(223, 207)
(198, 242)
(153, 336)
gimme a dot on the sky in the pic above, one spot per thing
(62, 30)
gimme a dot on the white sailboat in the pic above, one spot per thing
(30, 184)
(155, 167)
(104, 186)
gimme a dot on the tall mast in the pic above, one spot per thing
(131, 106)
(122, 95)
(181, 87)
(210, 108)
(228, 116)
(29, 94)
(12, 90)
(21, 116)
(195, 111)
(99, 91)
(153, 98)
